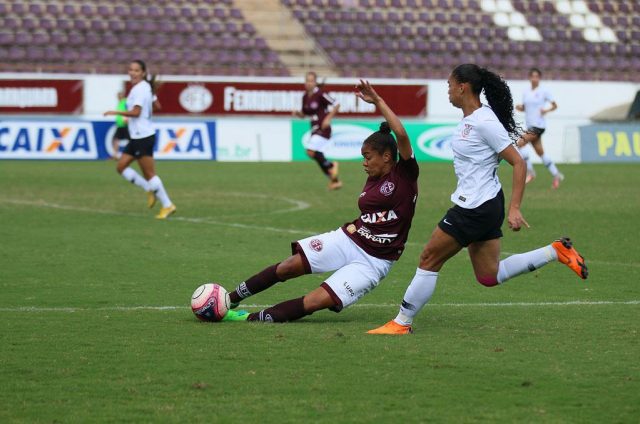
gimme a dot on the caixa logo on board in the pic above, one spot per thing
(436, 142)
(346, 141)
(47, 140)
(183, 141)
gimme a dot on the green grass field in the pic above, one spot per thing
(95, 323)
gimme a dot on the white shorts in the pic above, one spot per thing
(357, 272)
(317, 143)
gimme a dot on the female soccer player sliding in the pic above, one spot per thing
(362, 251)
(481, 139)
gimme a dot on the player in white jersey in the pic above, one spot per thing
(537, 101)
(481, 140)
(142, 139)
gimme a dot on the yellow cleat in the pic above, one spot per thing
(392, 328)
(569, 256)
(151, 199)
(334, 185)
(165, 212)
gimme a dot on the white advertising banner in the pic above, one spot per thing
(254, 139)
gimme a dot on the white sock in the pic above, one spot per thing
(156, 186)
(132, 176)
(524, 152)
(515, 265)
(550, 165)
(417, 295)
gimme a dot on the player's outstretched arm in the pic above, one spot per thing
(326, 122)
(369, 95)
(134, 113)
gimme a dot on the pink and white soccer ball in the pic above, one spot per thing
(210, 302)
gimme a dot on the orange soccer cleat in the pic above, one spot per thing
(392, 328)
(570, 257)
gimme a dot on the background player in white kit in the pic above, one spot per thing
(142, 139)
(481, 140)
(362, 251)
(537, 101)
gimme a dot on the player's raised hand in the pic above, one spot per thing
(366, 92)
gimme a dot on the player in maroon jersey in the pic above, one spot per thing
(316, 103)
(362, 251)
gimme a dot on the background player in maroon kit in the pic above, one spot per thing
(316, 103)
(362, 251)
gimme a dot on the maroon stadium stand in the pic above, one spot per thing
(426, 38)
(174, 37)
(374, 38)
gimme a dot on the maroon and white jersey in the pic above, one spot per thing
(316, 105)
(387, 205)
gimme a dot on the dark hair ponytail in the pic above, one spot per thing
(382, 141)
(151, 79)
(496, 91)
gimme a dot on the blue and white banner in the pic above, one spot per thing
(91, 140)
(47, 140)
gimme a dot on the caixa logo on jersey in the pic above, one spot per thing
(190, 141)
(346, 141)
(47, 140)
(436, 142)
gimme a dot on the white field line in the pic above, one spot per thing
(298, 206)
(357, 305)
(193, 220)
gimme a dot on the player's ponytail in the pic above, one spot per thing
(496, 91)
(382, 141)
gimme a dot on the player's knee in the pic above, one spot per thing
(429, 260)
(487, 280)
(311, 153)
(288, 269)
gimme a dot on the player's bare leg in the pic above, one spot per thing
(129, 173)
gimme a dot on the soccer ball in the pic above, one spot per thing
(210, 302)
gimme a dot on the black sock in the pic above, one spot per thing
(259, 282)
(324, 164)
(289, 310)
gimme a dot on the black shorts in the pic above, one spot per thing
(479, 224)
(140, 147)
(536, 131)
(122, 133)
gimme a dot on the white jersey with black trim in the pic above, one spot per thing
(534, 100)
(478, 140)
(141, 95)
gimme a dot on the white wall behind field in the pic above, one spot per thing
(577, 101)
